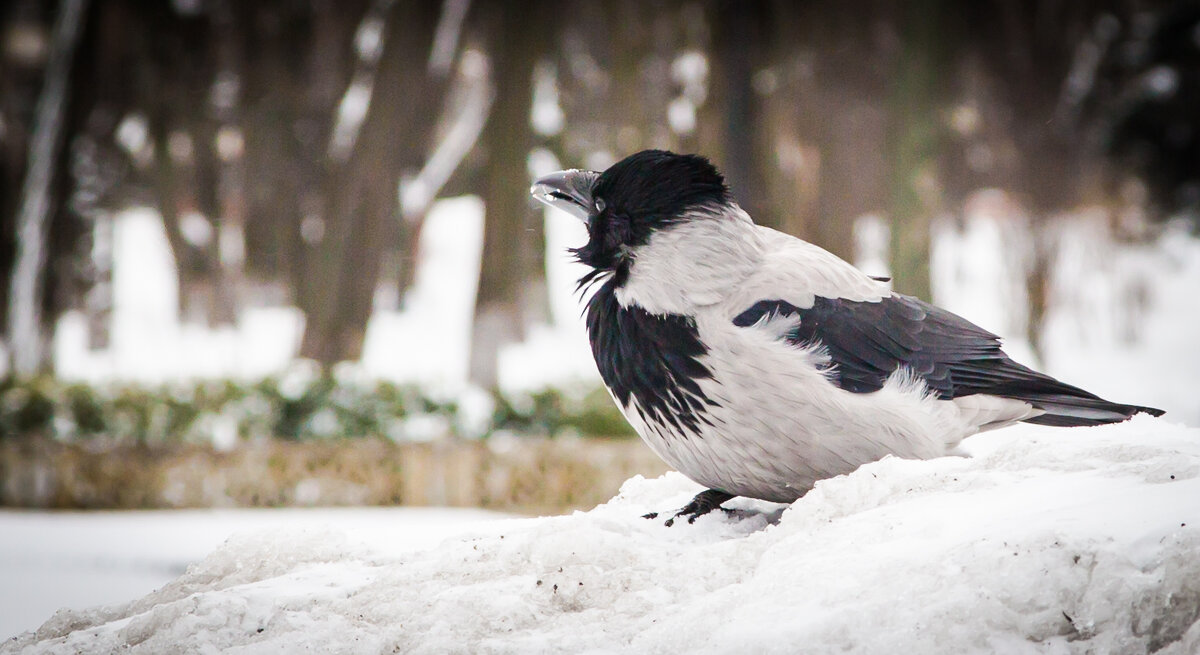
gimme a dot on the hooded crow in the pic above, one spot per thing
(756, 363)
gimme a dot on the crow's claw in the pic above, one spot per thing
(704, 502)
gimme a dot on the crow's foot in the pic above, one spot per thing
(704, 502)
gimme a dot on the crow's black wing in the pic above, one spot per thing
(868, 340)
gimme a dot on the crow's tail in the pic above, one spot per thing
(1068, 410)
(1064, 405)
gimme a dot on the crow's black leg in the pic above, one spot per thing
(704, 502)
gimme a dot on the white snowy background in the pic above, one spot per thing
(1041, 540)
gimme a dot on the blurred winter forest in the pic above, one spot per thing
(294, 148)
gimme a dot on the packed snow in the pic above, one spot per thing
(1037, 540)
(52, 560)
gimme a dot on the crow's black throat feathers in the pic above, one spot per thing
(653, 359)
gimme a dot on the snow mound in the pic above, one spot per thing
(1040, 540)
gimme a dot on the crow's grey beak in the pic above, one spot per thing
(570, 191)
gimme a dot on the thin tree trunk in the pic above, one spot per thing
(361, 201)
(226, 158)
(913, 147)
(14, 155)
(736, 130)
(25, 321)
(508, 137)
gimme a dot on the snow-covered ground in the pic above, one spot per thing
(1041, 540)
(77, 560)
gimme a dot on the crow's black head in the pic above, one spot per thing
(636, 196)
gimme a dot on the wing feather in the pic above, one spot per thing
(867, 341)
(870, 332)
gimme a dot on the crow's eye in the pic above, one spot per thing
(600, 205)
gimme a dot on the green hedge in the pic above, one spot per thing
(318, 407)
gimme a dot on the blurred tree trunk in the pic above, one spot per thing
(26, 325)
(178, 71)
(913, 144)
(361, 204)
(20, 78)
(102, 91)
(515, 43)
(791, 117)
(735, 133)
(297, 66)
(1052, 170)
(845, 115)
(792, 163)
(221, 148)
(614, 65)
